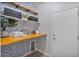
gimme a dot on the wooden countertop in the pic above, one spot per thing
(10, 40)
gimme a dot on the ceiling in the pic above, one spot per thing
(56, 4)
(35, 4)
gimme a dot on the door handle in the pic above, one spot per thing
(54, 38)
(54, 35)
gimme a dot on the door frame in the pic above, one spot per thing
(52, 30)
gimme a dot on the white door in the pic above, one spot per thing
(65, 33)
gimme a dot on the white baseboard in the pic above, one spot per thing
(43, 52)
(39, 51)
(28, 53)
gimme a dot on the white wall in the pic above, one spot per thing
(44, 16)
(78, 35)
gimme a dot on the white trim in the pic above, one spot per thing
(28, 53)
(39, 51)
(75, 6)
(43, 52)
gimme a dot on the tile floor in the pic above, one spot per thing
(36, 54)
